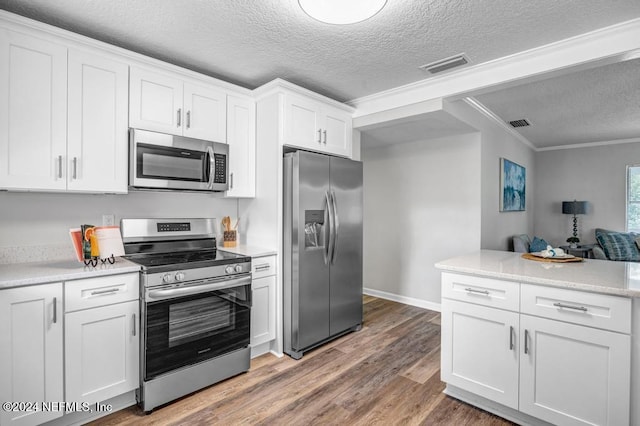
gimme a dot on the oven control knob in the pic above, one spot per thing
(167, 278)
(179, 276)
(238, 268)
(229, 269)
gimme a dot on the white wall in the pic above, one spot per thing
(421, 205)
(498, 227)
(595, 174)
(35, 219)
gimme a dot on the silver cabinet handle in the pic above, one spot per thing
(99, 292)
(324, 132)
(188, 119)
(231, 180)
(133, 322)
(60, 166)
(511, 338)
(75, 167)
(577, 308)
(179, 120)
(263, 267)
(55, 310)
(473, 290)
(319, 135)
(526, 341)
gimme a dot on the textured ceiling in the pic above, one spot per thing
(252, 42)
(596, 105)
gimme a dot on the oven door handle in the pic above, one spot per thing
(155, 295)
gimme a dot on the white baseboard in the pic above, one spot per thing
(425, 304)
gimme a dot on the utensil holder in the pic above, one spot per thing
(229, 239)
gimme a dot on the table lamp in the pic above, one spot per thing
(575, 208)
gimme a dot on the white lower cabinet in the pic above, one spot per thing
(479, 352)
(101, 359)
(30, 353)
(101, 338)
(574, 375)
(263, 308)
(548, 365)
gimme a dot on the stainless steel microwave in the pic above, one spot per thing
(168, 162)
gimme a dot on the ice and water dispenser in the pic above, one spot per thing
(313, 226)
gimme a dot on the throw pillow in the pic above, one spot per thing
(538, 244)
(618, 245)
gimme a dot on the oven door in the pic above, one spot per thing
(192, 322)
(174, 162)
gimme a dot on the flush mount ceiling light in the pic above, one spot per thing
(341, 12)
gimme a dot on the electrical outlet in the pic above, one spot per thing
(108, 220)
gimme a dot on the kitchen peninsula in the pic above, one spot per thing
(538, 342)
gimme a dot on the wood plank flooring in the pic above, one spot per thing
(386, 374)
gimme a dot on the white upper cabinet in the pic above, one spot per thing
(97, 137)
(64, 125)
(241, 137)
(166, 104)
(317, 126)
(33, 113)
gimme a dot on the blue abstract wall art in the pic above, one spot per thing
(513, 181)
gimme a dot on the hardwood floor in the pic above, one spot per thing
(388, 374)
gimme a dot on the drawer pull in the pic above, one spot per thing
(510, 338)
(99, 292)
(263, 267)
(473, 290)
(577, 308)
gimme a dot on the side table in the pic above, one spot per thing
(584, 250)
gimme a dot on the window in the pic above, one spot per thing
(633, 198)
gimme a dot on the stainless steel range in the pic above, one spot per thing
(195, 310)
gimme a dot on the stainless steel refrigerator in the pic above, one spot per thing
(322, 249)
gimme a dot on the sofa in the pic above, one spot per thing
(617, 246)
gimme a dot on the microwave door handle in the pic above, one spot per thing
(212, 166)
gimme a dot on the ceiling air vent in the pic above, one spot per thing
(445, 64)
(519, 123)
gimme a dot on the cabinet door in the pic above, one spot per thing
(574, 375)
(336, 136)
(263, 310)
(33, 113)
(97, 140)
(479, 350)
(241, 137)
(205, 113)
(302, 123)
(31, 351)
(155, 102)
(101, 352)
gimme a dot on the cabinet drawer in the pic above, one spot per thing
(591, 309)
(93, 292)
(481, 291)
(263, 266)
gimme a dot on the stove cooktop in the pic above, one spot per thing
(157, 262)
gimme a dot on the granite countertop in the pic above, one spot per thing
(598, 276)
(251, 251)
(31, 273)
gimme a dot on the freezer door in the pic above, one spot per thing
(346, 263)
(309, 284)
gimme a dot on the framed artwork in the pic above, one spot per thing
(513, 183)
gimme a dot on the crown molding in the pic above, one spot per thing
(608, 42)
(589, 144)
(475, 104)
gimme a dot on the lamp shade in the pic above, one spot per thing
(574, 207)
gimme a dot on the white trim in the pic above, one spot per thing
(420, 303)
(280, 85)
(72, 40)
(474, 103)
(619, 39)
(589, 144)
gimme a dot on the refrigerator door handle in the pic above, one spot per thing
(335, 226)
(329, 222)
